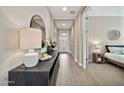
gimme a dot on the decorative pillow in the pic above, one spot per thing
(115, 50)
(122, 51)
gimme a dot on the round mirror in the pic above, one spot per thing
(37, 22)
(114, 34)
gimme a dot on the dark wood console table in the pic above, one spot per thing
(44, 74)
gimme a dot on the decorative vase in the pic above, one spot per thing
(49, 50)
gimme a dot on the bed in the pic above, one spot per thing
(117, 56)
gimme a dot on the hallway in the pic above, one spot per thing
(70, 74)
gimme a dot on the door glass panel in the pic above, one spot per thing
(63, 42)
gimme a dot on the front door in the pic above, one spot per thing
(63, 42)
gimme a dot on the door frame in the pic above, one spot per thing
(85, 36)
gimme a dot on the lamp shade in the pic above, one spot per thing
(98, 46)
(30, 38)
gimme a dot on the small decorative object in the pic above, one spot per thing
(45, 56)
(30, 39)
(49, 50)
(113, 34)
(50, 45)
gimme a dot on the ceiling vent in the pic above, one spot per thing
(72, 12)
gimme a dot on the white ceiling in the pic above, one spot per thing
(64, 17)
(59, 14)
(68, 24)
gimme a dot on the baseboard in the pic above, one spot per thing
(84, 67)
(80, 64)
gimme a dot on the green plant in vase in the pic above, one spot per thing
(50, 45)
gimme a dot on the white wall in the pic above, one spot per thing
(78, 37)
(12, 19)
(99, 27)
(79, 40)
(21, 16)
(72, 40)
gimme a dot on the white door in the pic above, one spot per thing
(63, 42)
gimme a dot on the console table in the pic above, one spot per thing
(44, 74)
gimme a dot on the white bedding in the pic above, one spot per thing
(115, 57)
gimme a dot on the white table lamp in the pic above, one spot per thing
(30, 39)
(98, 48)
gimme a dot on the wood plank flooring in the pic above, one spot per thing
(70, 74)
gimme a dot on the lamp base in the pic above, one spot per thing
(31, 59)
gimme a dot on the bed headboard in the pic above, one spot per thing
(113, 46)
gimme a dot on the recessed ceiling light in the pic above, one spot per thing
(63, 24)
(64, 8)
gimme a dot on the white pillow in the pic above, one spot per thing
(122, 51)
(115, 50)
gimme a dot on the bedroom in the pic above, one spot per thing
(105, 27)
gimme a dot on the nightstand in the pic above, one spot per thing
(98, 57)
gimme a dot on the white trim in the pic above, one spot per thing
(84, 37)
(84, 67)
(80, 64)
